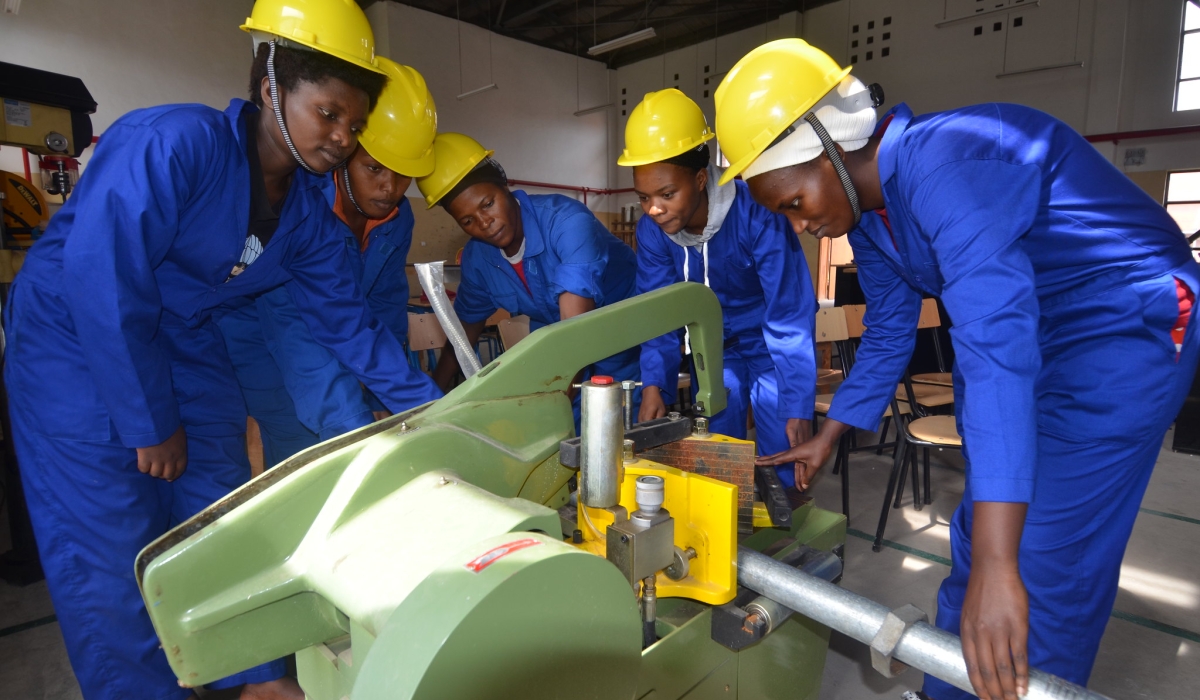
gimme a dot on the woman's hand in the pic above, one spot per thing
(995, 614)
(166, 460)
(652, 404)
(808, 455)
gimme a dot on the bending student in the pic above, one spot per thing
(126, 414)
(544, 256)
(295, 388)
(1065, 282)
(757, 271)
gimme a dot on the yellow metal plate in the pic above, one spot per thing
(705, 513)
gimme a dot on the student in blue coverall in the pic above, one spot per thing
(544, 256)
(1064, 282)
(757, 271)
(295, 387)
(126, 414)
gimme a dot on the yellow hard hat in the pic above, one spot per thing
(769, 89)
(336, 27)
(663, 125)
(454, 156)
(401, 128)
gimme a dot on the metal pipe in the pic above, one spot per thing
(922, 646)
(649, 611)
(601, 443)
(432, 281)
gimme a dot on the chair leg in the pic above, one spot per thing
(843, 458)
(928, 492)
(887, 423)
(916, 482)
(900, 483)
(887, 497)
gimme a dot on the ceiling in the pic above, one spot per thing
(573, 26)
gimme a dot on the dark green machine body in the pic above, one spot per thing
(423, 557)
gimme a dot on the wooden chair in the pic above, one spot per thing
(833, 326)
(512, 330)
(425, 336)
(924, 432)
(932, 320)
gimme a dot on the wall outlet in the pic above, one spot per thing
(1135, 156)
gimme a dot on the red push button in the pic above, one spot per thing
(602, 380)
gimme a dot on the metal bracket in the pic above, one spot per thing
(653, 433)
(884, 644)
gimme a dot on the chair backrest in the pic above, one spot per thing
(854, 319)
(513, 330)
(930, 318)
(425, 333)
(831, 325)
(497, 317)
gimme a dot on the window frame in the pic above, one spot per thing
(1167, 201)
(1179, 79)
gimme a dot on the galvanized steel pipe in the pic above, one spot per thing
(923, 646)
(432, 281)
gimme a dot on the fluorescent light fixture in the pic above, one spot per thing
(476, 91)
(593, 110)
(622, 41)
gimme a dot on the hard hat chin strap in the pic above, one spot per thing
(838, 165)
(349, 192)
(287, 138)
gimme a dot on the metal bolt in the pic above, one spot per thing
(700, 427)
(627, 451)
(577, 537)
(674, 415)
(624, 539)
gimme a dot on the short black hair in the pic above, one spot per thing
(294, 66)
(694, 159)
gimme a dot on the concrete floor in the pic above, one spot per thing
(1151, 648)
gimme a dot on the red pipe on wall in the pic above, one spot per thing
(571, 188)
(28, 172)
(1118, 136)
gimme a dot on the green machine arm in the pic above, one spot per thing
(549, 358)
(344, 540)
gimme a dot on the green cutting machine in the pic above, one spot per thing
(473, 548)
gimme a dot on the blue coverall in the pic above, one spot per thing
(566, 250)
(1059, 274)
(294, 387)
(759, 275)
(111, 347)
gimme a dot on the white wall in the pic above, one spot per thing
(529, 119)
(132, 53)
(1128, 49)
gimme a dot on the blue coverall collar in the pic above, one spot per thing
(236, 113)
(900, 115)
(534, 240)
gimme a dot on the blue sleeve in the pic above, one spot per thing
(127, 213)
(656, 268)
(334, 309)
(472, 300)
(976, 212)
(327, 396)
(790, 316)
(392, 284)
(580, 241)
(893, 308)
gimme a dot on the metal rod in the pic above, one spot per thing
(923, 646)
(432, 281)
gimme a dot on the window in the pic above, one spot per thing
(1183, 199)
(1187, 96)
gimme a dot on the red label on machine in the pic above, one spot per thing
(495, 554)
